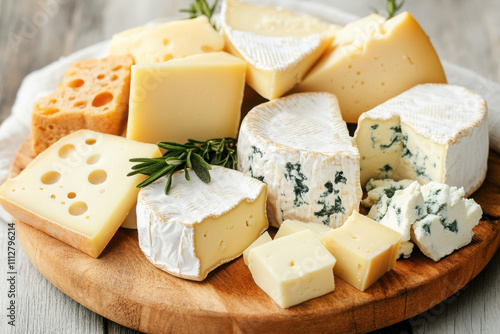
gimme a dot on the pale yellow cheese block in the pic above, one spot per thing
(161, 42)
(264, 238)
(373, 60)
(364, 249)
(292, 269)
(196, 97)
(293, 226)
(77, 190)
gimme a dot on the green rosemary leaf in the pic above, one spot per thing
(392, 7)
(169, 183)
(186, 174)
(201, 7)
(170, 146)
(198, 159)
(156, 176)
(201, 171)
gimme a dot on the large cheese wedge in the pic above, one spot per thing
(432, 132)
(364, 249)
(198, 226)
(372, 60)
(292, 269)
(278, 46)
(161, 42)
(77, 190)
(300, 147)
(196, 97)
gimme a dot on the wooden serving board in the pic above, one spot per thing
(123, 286)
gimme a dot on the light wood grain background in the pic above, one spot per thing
(35, 33)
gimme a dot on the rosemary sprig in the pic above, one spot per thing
(392, 7)
(196, 155)
(201, 7)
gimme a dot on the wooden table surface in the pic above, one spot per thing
(36, 33)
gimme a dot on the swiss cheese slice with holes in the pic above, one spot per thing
(199, 226)
(161, 42)
(92, 95)
(77, 190)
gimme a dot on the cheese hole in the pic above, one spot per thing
(87, 217)
(53, 196)
(63, 202)
(206, 48)
(71, 98)
(116, 68)
(50, 111)
(13, 190)
(382, 84)
(359, 266)
(250, 221)
(52, 101)
(114, 77)
(166, 41)
(102, 191)
(222, 245)
(102, 99)
(50, 177)
(78, 208)
(90, 141)
(71, 195)
(66, 150)
(205, 235)
(354, 236)
(292, 264)
(167, 57)
(80, 104)
(100, 76)
(94, 159)
(97, 176)
(76, 83)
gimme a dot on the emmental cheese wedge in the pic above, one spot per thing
(278, 46)
(196, 97)
(364, 249)
(198, 226)
(77, 190)
(292, 269)
(432, 132)
(300, 147)
(162, 42)
(373, 60)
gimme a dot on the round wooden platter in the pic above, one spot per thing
(123, 286)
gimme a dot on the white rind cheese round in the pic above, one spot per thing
(198, 226)
(300, 147)
(432, 132)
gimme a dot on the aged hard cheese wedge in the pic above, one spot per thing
(292, 269)
(77, 190)
(195, 97)
(432, 132)
(364, 249)
(300, 147)
(373, 60)
(278, 46)
(161, 42)
(293, 226)
(449, 223)
(264, 238)
(199, 226)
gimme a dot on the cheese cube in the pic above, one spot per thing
(77, 190)
(196, 97)
(373, 60)
(161, 42)
(364, 249)
(293, 269)
(198, 226)
(279, 46)
(264, 238)
(293, 226)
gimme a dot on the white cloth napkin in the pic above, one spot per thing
(16, 128)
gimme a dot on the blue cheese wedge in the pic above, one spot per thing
(377, 188)
(432, 132)
(449, 223)
(300, 147)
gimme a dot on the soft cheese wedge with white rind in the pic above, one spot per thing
(199, 226)
(365, 250)
(432, 132)
(300, 147)
(292, 269)
(162, 42)
(449, 223)
(194, 97)
(77, 190)
(278, 46)
(373, 60)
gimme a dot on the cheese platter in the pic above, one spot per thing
(196, 227)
